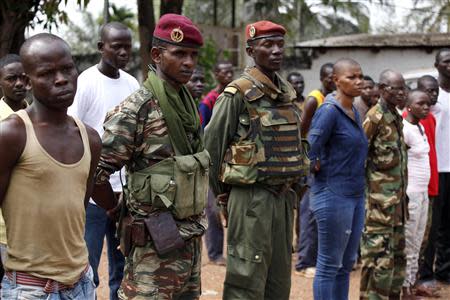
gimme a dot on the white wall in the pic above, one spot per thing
(372, 63)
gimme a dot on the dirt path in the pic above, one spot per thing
(212, 283)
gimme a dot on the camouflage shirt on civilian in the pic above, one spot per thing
(386, 171)
(136, 136)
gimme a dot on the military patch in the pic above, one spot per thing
(176, 35)
(230, 90)
(253, 94)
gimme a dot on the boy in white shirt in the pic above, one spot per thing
(418, 107)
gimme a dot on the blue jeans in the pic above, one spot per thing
(214, 233)
(340, 222)
(97, 226)
(83, 290)
(307, 243)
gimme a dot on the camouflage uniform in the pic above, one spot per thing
(383, 240)
(260, 204)
(136, 135)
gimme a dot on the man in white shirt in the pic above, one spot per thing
(100, 89)
(437, 252)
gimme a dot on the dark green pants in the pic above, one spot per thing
(259, 244)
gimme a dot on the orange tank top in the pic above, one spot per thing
(44, 211)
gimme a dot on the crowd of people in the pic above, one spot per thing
(359, 168)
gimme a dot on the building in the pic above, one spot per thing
(407, 53)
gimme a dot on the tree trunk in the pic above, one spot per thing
(146, 23)
(105, 11)
(13, 21)
(171, 7)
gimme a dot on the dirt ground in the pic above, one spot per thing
(213, 276)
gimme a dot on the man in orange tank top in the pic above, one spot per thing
(46, 178)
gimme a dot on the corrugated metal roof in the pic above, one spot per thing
(364, 40)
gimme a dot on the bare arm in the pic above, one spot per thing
(95, 144)
(12, 141)
(307, 114)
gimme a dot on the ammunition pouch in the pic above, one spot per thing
(272, 151)
(178, 184)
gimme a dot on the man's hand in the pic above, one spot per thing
(114, 213)
(222, 202)
(315, 166)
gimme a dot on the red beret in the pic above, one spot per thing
(263, 29)
(178, 30)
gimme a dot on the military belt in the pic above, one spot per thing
(277, 190)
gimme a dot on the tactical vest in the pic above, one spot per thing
(272, 151)
(178, 183)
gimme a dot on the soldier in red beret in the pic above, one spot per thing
(155, 134)
(254, 139)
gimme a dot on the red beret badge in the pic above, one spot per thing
(176, 35)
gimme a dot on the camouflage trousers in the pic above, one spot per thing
(383, 263)
(260, 227)
(176, 275)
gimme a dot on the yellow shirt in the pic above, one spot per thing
(5, 111)
(318, 95)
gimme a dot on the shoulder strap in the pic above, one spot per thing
(242, 84)
(83, 133)
(142, 112)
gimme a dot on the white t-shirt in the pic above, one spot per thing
(441, 112)
(96, 95)
(418, 158)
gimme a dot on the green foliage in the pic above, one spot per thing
(120, 14)
(83, 37)
(48, 12)
(207, 60)
(430, 16)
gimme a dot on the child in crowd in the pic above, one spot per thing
(417, 106)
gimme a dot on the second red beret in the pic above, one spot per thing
(262, 29)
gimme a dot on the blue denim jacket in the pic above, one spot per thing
(341, 146)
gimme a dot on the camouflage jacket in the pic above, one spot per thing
(136, 136)
(228, 136)
(386, 170)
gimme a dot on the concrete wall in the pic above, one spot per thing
(372, 63)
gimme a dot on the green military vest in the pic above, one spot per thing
(272, 151)
(178, 183)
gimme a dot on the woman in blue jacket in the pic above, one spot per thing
(338, 153)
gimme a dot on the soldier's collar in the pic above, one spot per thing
(271, 89)
(389, 115)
